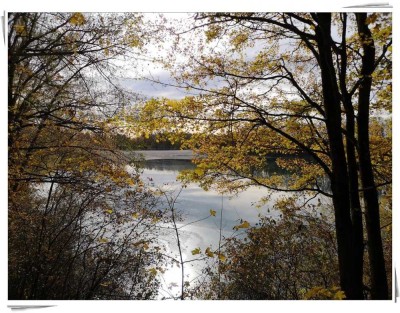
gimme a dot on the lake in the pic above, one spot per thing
(160, 170)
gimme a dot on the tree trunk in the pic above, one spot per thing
(379, 287)
(352, 166)
(350, 284)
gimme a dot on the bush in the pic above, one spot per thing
(277, 259)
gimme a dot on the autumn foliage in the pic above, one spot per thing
(81, 226)
(309, 93)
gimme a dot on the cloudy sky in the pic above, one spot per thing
(148, 77)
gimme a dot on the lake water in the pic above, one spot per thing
(194, 204)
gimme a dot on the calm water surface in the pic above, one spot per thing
(160, 170)
(194, 204)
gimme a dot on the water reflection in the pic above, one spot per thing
(194, 203)
(168, 165)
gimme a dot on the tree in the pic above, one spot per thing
(83, 241)
(81, 226)
(297, 84)
(60, 81)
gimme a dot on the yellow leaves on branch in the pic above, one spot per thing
(239, 39)
(77, 19)
(371, 19)
(155, 220)
(213, 32)
(133, 40)
(213, 212)
(155, 270)
(212, 254)
(199, 171)
(142, 244)
(321, 293)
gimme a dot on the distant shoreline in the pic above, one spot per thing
(163, 154)
(186, 154)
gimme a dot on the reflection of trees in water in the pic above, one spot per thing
(270, 168)
(168, 165)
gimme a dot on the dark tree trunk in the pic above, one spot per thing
(351, 144)
(340, 185)
(379, 287)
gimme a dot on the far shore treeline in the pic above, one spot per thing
(150, 142)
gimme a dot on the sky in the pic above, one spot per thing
(143, 73)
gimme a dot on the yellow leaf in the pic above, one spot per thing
(77, 19)
(103, 240)
(321, 293)
(196, 251)
(339, 295)
(199, 171)
(212, 212)
(222, 257)
(135, 215)
(109, 211)
(371, 19)
(245, 224)
(153, 271)
(19, 29)
(209, 253)
(105, 284)
(145, 246)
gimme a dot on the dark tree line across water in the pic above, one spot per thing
(150, 142)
